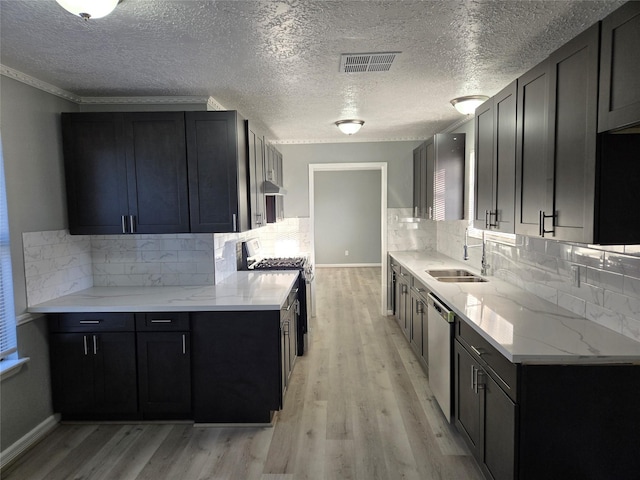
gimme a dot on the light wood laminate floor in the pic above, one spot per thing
(359, 407)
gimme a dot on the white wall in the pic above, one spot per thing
(347, 217)
(296, 160)
(30, 128)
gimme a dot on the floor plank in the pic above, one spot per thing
(359, 406)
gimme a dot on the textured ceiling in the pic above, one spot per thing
(277, 61)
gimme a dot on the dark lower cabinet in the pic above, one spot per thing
(164, 374)
(94, 375)
(403, 300)
(236, 366)
(535, 421)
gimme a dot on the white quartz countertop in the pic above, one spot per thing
(241, 291)
(522, 326)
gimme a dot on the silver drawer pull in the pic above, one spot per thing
(92, 322)
(477, 351)
(162, 320)
(84, 341)
(184, 344)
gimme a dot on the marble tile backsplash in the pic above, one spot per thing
(152, 260)
(56, 264)
(291, 237)
(404, 236)
(601, 283)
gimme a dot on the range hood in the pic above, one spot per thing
(271, 188)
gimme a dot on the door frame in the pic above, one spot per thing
(336, 167)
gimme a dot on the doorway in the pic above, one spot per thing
(380, 167)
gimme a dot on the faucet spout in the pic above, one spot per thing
(483, 263)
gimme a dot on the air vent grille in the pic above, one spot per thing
(367, 62)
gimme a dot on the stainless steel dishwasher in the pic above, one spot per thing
(440, 358)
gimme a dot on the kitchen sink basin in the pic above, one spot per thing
(450, 273)
(473, 279)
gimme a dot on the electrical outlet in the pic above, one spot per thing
(346, 253)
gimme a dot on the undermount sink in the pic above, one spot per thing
(454, 275)
(461, 279)
(450, 273)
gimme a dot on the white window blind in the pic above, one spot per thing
(7, 310)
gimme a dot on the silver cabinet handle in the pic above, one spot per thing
(430, 213)
(473, 378)
(235, 226)
(479, 381)
(92, 322)
(161, 320)
(132, 224)
(95, 345)
(477, 351)
(184, 344)
(84, 341)
(124, 224)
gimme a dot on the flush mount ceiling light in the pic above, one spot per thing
(349, 127)
(89, 8)
(467, 105)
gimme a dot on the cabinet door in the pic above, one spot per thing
(405, 305)
(95, 171)
(417, 323)
(217, 161)
(485, 171)
(467, 399)
(72, 373)
(499, 431)
(430, 153)
(94, 374)
(504, 118)
(256, 178)
(573, 100)
(417, 174)
(447, 177)
(164, 374)
(116, 379)
(532, 151)
(620, 69)
(157, 172)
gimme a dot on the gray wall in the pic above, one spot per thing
(347, 216)
(30, 128)
(296, 160)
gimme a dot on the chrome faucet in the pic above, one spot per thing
(483, 263)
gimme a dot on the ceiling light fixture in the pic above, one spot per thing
(89, 8)
(467, 105)
(349, 127)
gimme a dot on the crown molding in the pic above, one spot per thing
(39, 84)
(458, 123)
(213, 104)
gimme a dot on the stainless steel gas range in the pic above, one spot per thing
(250, 257)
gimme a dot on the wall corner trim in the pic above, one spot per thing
(11, 453)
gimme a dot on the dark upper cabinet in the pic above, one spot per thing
(274, 208)
(255, 144)
(445, 176)
(620, 69)
(96, 172)
(157, 172)
(531, 152)
(125, 172)
(559, 195)
(571, 157)
(420, 181)
(495, 161)
(217, 163)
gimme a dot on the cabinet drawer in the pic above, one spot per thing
(162, 321)
(504, 372)
(91, 322)
(419, 288)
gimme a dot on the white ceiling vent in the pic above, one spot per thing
(367, 62)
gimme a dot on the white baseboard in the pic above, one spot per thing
(349, 265)
(12, 452)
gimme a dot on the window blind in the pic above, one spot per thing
(7, 310)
